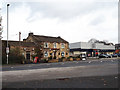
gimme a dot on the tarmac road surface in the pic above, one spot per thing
(77, 74)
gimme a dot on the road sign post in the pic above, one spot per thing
(7, 51)
(7, 48)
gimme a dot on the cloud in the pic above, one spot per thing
(98, 20)
(67, 10)
(74, 21)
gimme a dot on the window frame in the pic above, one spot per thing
(62, 45)
(63, 54)
(55, 45)
(46, 43)
(46, 52)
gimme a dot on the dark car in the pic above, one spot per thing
(114, 55)
(103, 56)
(118, 55)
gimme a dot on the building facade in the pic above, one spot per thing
(50, 47)
(0, 37)
(26, 48)
(54, 47)
(117, 48)
(91, 48)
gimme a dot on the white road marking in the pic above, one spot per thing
(76, 62)
(116, 77)
(101, 61)
(11, 67)
(89, 62)
(112, 60)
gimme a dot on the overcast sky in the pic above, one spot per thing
(73, 20)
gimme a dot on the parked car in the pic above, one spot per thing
(114, 55)
(118, 55)
(109, 55)
(83, 56)
(103, 56)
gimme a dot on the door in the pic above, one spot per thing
(54, 54)
(28, 55)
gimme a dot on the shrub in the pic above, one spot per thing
(33, 56)
(68, 57)
(50, 58)
(62, 58)
(43, 61)
(54, 57)
(78, 56)
(74, 58)
(14, 57)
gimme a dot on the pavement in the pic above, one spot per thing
(76, 74)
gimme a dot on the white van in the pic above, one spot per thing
(83, 56)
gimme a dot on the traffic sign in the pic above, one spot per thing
(7, 50)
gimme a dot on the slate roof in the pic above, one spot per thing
(41, 38)
(21, 43)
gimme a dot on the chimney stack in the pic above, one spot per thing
(30, 34)
(19, 36)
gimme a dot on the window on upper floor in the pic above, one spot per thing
(62, 45)
(55, 45)
(45, 45)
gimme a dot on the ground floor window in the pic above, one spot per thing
(46, 54)
(63, 54)
(51, 54)
(66, 53)
(59, 53)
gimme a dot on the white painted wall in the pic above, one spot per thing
(74, 45)
(86, 45)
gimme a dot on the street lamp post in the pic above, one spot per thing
(7, 49)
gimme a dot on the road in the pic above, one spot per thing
(60, 64)
(80, 74)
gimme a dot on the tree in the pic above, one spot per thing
(0, 26)
(15, 56)
(38, 51)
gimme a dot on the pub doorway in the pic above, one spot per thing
(28, 55)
